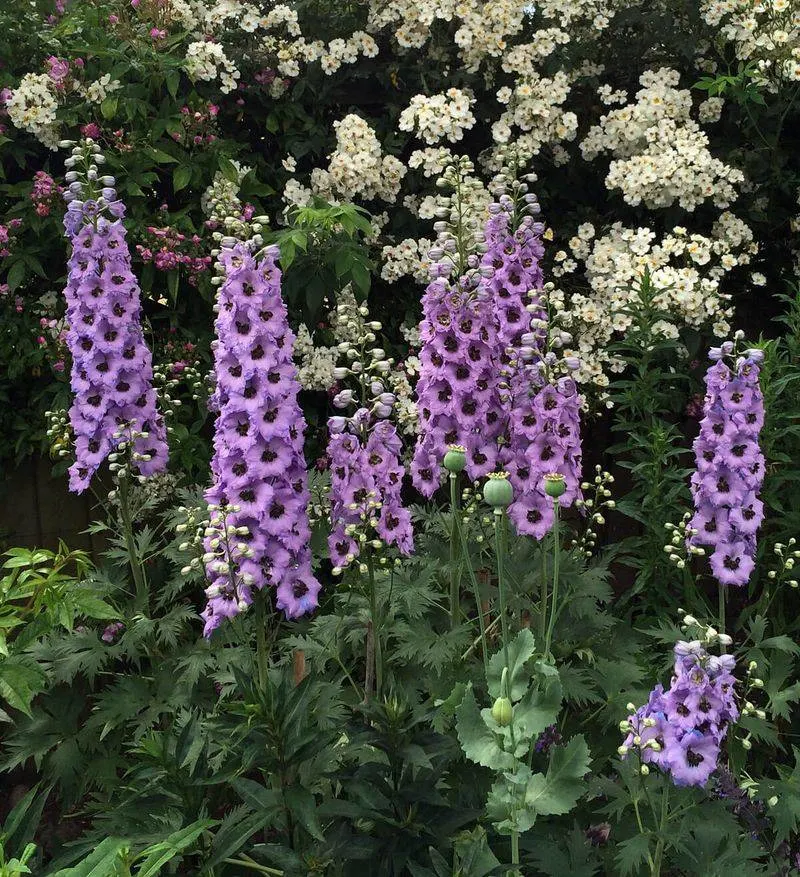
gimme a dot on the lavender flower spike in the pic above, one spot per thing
(258, 468)
(730, 467)
(112, 368)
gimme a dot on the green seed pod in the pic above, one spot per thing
(498, 491)
(554, 484)
(455, 459)
(502, 711)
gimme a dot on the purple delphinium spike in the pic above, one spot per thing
(366, 479)
(457, 391)
(689, 722)
(730, 467)
(112, 368)
(544, 437)
(258, 468)
(542, 413)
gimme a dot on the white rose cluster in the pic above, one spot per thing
(661, 154)
(96, 92)
(439, 116)
(357, 167)
(687, 270)
(535, 106)
(315, 365)
(207, 60)
(766, 31)
(409, 258)
(32, 107)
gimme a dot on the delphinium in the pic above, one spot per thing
(364, 451)
(259, 534)
(730, 465)
(458, 395)
(366, 473)
(681, 730)
(112, 371)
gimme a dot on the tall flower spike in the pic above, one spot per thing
(366, 480)
(258, 468)
(681, 731)
(730, 465)
(112, 368)
(364, 449)
(541, 405)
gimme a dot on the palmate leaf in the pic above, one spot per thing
(785, 812)
(479, 743)
(557, 791)
(19, 683)
(538, 709)
(520, 650)
(632, 853)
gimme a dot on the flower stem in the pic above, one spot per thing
(376, 632)
(139, 579)
(515, 847)
(659, 853)
(556, 562)
(543, 598)
(455, 566)
(501, 584)
(467, 563)
(723, 594)
(262, 656)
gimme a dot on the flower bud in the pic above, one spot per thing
(502, 711)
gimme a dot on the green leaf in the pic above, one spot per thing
(173, 81)
(161, 157)
(520, 650)
(19, 684)
(237, 828)
(632, 853)
(180, 177)
(108, 107)
(479, 742)
(538, 709)
(101, 862)
(229, 170)
(361, 276)
(171, 846)
(557, 792)
(16, 275)
(303, 806)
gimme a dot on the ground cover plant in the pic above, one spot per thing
(434, 372)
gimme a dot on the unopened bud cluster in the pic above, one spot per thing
(788, 556)
(703, 633)
(596, 501)
(60, 435)
(680, 549)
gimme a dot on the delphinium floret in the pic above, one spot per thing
(364, 451)
(112, 370)
(259, 493)
(457, 390)
(681, 730)
(730, 465)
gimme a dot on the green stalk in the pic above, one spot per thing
(556, 562)
(499, 551)
(455, 568)
(543, 598)
(467, 561)
(139, 580)
(262, 655)
(659, 853)
(723, 594)
(376, 633)
(515, 847)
